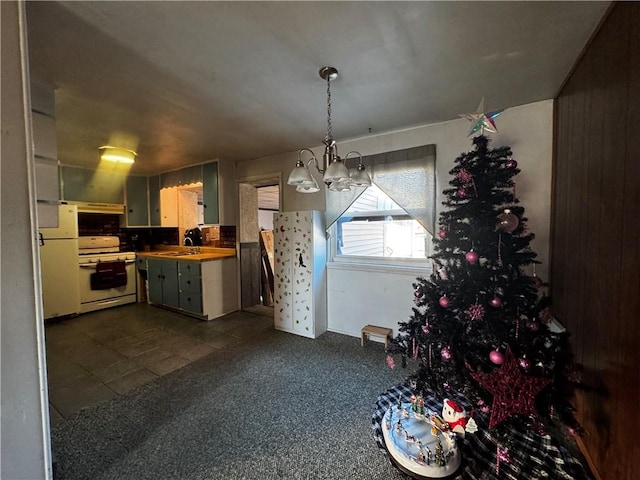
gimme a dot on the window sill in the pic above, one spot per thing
(420, 271)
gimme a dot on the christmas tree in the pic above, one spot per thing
(481, 325)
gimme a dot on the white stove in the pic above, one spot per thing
(107, 275)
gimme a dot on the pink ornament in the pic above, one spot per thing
(472, 257)
(462, 192)
(524, 363)
(495, 302)
(511, 163)
(507, 221)
(442, 233)
(426, 329)
(444, 301)
(496, 357)
(464, 176)
(537, 281)
(390, 363)
(533, 326)
(475, 312)
(445, 353)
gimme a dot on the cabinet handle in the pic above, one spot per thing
(188, 282)
(41, 239)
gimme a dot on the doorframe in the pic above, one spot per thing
(256, 181)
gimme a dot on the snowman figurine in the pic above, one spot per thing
(455, 416)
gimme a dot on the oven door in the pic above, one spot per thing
(102, 295)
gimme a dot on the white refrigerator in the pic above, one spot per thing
(59, 265)
(300, 280)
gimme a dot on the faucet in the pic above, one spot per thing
(188, 239)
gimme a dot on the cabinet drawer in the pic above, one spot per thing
(190, 283)
(189, 269)
(141, 263)
(191, 301)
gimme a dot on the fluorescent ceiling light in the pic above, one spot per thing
(117, 154)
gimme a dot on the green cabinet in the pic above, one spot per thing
(210, 193)
(162, 276)
(137, 202)
(103, 185)
(184, 176)
(175, 283)
(154, 201)
(190, 286)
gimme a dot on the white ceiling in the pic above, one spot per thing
(187, 82)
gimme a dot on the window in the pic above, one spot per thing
(374, 229)
(391, 222)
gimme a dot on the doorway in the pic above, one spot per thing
(259, 202)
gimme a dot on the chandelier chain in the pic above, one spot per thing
(329, 136)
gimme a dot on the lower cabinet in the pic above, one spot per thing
(206, 290)
(163, 282)
(190, 284)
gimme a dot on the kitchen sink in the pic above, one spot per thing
(179, 254)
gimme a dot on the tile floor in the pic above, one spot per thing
(97, 356)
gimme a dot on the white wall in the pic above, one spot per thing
(387, 296)
(25, 439)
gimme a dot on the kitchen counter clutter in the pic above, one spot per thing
(198, 282)
(193, 254)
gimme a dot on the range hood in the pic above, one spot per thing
(90, 207)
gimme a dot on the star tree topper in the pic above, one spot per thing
(513, 393)
(482, 120)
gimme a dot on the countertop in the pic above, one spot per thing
(205, 254)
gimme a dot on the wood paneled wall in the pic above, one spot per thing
(595, 266)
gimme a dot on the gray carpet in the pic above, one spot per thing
(278, 407)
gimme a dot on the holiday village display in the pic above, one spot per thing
(481, 327)
(423, 442)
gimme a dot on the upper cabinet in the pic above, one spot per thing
(104, 185)
(45, 150)
(210, 193)
(154, 201)
(179, 178)
(137, 202)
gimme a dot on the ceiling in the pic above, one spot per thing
(187, 82)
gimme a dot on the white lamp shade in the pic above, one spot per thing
(340, 186)
(300, 176)
(308, 188)
(360, 177)
(336, 171)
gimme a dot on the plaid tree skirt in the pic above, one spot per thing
(531, 456)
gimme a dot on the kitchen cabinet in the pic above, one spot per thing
(45, 150)
(300, 290)
(210, 193)
(154, 201)
(103, 185)
(162, 275)
(203, 289)
(169, 207)
(190, 285)
(137, 201)
(184, 176)
(179, 208)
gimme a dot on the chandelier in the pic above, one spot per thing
(336, 175)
